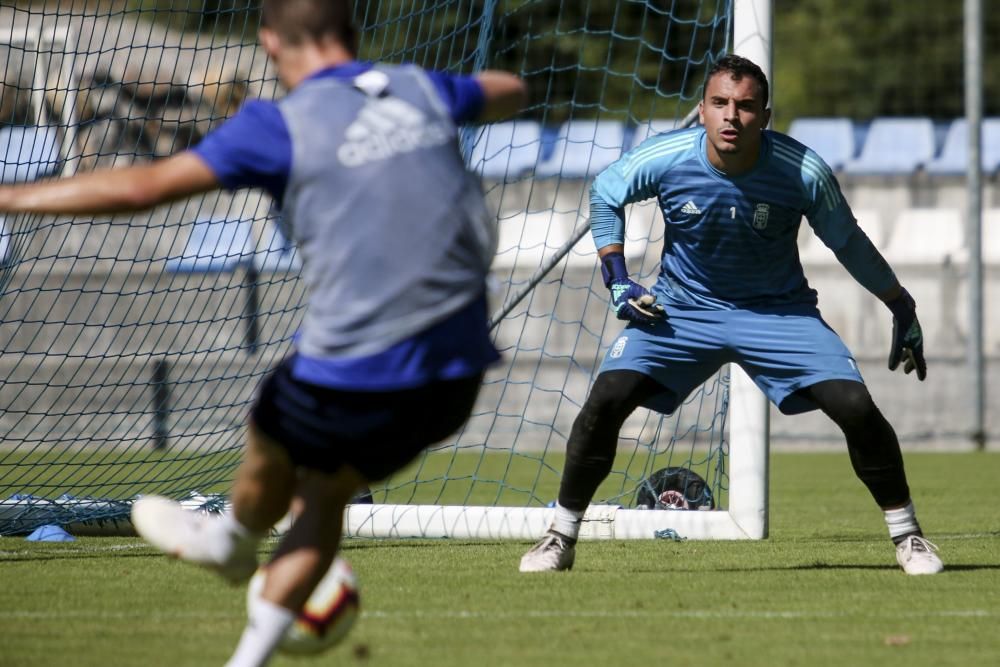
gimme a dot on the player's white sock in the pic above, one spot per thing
(902, 522)
(267, 623)
(567, 522)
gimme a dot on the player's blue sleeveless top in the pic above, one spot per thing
(393, 229)
(731, 242)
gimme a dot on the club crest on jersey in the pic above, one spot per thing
(619, 347)
(760, 213)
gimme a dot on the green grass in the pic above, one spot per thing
(822, 590)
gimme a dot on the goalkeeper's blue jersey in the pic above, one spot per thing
(730, 242)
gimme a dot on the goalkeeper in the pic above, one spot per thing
(396, 244)
(731, 289)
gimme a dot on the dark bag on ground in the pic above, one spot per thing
(675, 487)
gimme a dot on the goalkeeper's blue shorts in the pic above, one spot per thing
(375, 432)
(783, 348)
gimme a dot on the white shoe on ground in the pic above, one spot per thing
(916, 555)
(554, 552)
(192, 537)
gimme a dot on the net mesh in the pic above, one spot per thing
(133, 343)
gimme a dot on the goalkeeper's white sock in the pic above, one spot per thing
(567, 522)
(267, 623)
(902, 522)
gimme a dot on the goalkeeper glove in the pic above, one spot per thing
(630, 300)
(907, 336)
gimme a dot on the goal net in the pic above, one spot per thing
(133, 344)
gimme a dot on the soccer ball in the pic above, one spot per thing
(329, 613)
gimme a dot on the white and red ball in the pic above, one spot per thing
(328, 615)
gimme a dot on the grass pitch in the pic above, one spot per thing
(824, 589)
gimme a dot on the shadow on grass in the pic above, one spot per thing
(966, 567)
(889, 567)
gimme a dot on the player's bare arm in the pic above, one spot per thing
(504, 95)
(113, 190)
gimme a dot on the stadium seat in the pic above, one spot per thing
(505, 150)
(831, 138)
(28, 153)
(4, 242)
(991, 236)
(651, 128)
(954, 154)
(812, 250)
(276, 252)
(927, 236)
(991, 145)
(528, 239)
(583, 148)
(214, 246)
(895, 146)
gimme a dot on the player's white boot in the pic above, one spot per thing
(916, 555)
(194, 537)
(554, 552)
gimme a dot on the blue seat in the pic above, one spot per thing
(214, 246)
(28, 153)
(583, 148)
(505, 150)
(895, 146)
(4, 242)
(277, 253)
(831, 138)
(954, 154)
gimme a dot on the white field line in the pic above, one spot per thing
(14, 614)
(67, 549)
(705, 614)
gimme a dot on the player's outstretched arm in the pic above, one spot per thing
(504, 94)
(132, 188)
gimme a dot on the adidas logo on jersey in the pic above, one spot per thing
(386, 127)
(690, 208)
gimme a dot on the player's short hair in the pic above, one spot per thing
(298, 21)
(737, 67)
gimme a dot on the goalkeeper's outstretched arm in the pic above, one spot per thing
(863, 261)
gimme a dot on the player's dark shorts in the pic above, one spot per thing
(376, 432)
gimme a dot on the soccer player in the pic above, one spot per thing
(731, 289)
(396, 244)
